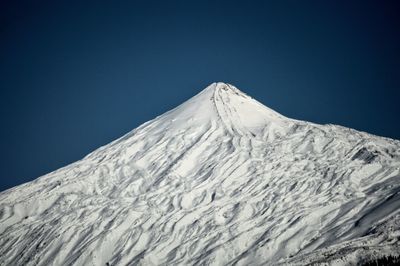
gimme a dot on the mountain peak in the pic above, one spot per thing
(223, 86)
(222, 102)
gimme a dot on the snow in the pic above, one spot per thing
(221, 179)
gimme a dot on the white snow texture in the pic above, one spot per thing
(219, 180)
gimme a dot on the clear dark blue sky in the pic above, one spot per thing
(76, 75)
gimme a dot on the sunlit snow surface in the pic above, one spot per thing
(219, 180)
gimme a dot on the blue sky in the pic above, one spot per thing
(76, 75)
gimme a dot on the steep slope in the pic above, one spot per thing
(221, 179)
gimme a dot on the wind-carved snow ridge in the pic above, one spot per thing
(219, 180)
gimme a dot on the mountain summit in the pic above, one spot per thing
(219, 180)
(225, 104)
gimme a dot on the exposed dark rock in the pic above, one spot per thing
(365, 155)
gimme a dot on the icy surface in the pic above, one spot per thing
(220, 180)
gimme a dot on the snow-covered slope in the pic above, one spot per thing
(219, 180)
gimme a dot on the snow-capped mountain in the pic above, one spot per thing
(219, 180)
